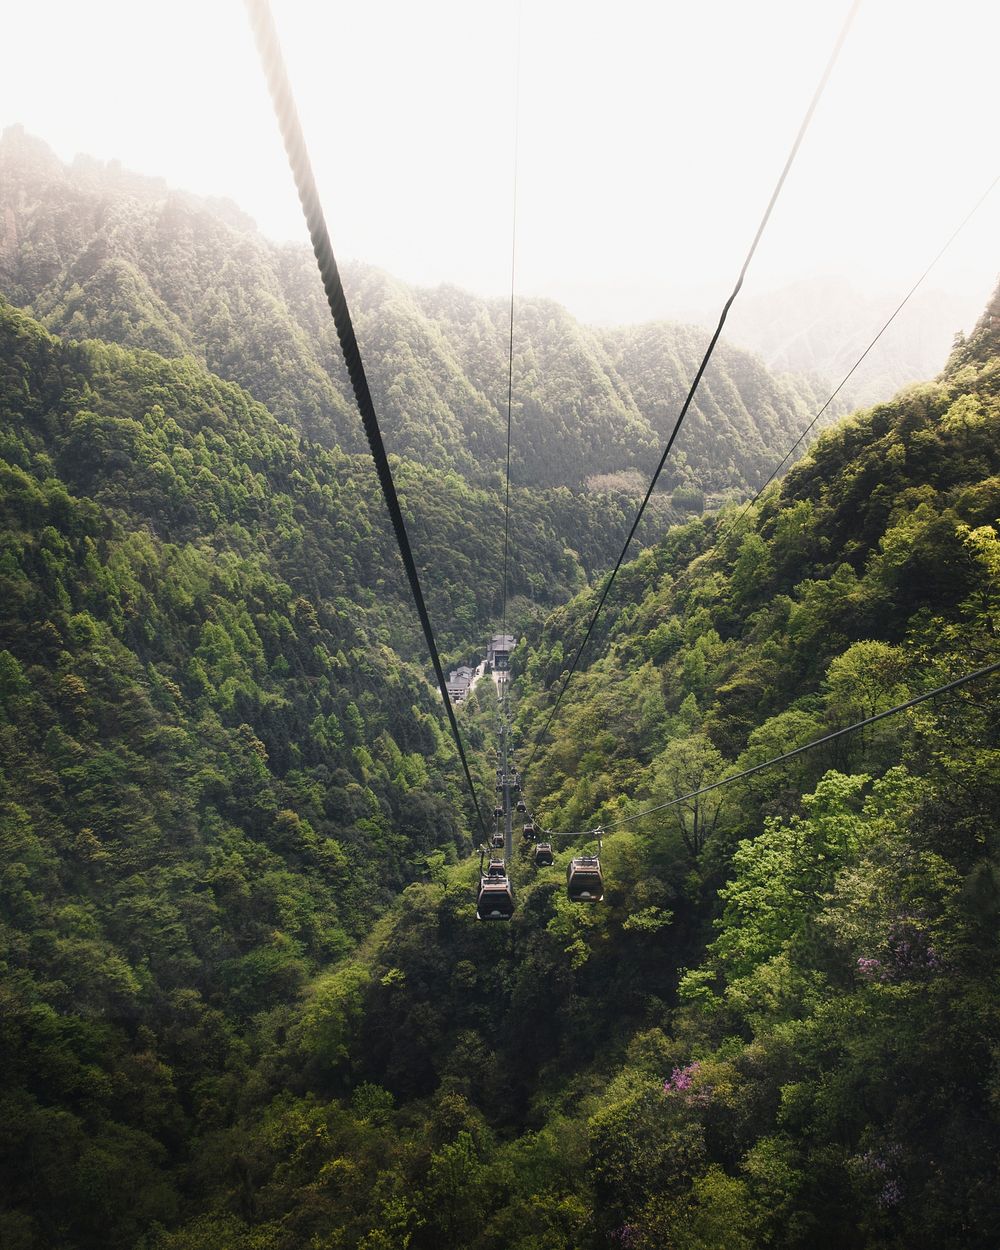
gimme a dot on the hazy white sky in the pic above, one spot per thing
(650, 133)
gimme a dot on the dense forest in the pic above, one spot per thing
(245, 1001)
(96, 252)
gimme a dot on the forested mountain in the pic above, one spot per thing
(217, 768)
(93, 251)
(780, 1027)
(244, 1002)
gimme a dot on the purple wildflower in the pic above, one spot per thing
(681, 1079)
(907, 954)
(882, 1167)
(681, 1082)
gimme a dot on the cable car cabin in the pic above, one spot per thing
(515, 785)
(584, 881)
(497, 839)
(499, 787)
(521, 805)
(529, 829)
(495, 900)
(543, 855)
(498, 812)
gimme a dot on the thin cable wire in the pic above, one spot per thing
(510, 337)
(788, 755)
(849, 374)
(704, 363)
(718, 544)
(266, 35)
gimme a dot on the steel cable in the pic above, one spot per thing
(276, 73)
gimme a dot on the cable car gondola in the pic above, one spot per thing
(496, 839)
(495, 900)
(521, 805)
(584, 880)
(529, 829)
(543, 855)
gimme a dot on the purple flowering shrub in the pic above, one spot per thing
(880, 1168)
(908, 953)
(682, 1081)
(625, 1236)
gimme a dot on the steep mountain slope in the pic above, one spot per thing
(739, 419)
(779, 1029)
(97, 252)
(226, 1020)
(215, 773)
(215, 769)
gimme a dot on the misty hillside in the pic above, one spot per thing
(93, 251)
(820, 327)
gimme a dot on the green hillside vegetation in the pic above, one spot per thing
(778, 1030)
(244, 1001)
(218, 767)
(95, 252)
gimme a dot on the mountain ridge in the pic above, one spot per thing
(91, 255)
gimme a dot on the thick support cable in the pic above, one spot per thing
(508, 831)
(704, 364)
(268, 46)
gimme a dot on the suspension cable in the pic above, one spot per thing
(510, 335)
(847, 376)
(787, 755)
(275, 71)
(719, 542)
(704, 363)
(723, 537)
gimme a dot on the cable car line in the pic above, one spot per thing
(804, 126)
(833, 395)
(780, 759)
(510, 335)
(275, 71)
(584, 876)
(724, 536)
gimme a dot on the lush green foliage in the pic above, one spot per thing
(243, 999)
(779, 1030)
(98, 253)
